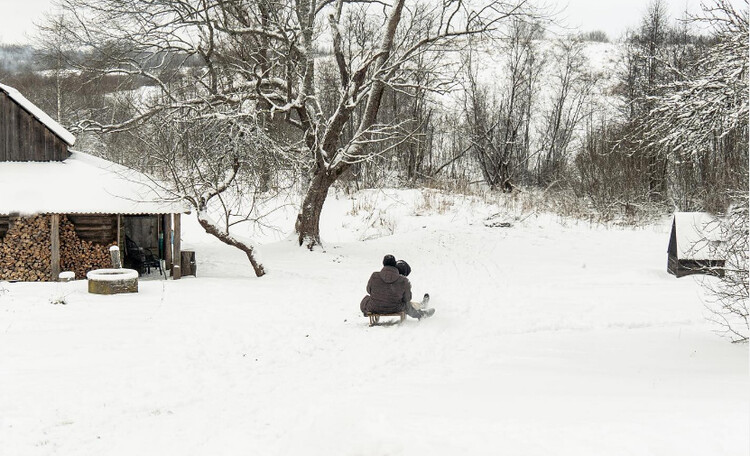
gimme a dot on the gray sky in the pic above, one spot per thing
(612, 16)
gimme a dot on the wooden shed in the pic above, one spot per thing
(694, 245)
(94, 202)
(27, 133)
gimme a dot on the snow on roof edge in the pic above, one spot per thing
(74, 212)
(85, 184)
(117, 168)
(42, 116)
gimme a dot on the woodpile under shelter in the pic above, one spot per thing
(61, 209)
(694, 245)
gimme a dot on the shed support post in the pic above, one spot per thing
(119, 234)
(176, 266)
(55, 247)
(168, 241)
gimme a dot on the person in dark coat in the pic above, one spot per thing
(389, 292)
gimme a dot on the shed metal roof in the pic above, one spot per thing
(81, 184)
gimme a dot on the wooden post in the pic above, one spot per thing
(168, 241)
(55, 247)
(176, 267)
(114, 253)
(119, 234)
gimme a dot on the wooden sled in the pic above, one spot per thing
(375, 318)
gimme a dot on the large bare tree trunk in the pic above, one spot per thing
(308, 220)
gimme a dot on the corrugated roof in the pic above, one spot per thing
(81, 184)
(698, 235)
(55, 127)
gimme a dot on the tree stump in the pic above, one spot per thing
(112, 281)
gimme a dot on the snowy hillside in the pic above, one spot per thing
(550, 338)
(15, 58)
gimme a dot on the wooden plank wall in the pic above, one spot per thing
(101, 229)
(24, 138)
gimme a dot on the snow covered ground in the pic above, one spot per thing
(550, 338)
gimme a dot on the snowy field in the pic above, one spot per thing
(550, 338)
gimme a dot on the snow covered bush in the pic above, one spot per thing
(700, 121)
(728, 302)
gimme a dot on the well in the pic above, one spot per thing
(112, 281)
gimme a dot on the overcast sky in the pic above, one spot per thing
(613, 16)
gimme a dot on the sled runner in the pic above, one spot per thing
(375, 318)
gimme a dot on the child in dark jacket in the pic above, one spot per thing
(404, 269)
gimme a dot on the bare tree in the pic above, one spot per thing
(179, 106)
(408, 106)
(215, 166)
(681, 138)
(424, 31)
(643, 74)
(700, 121)
(651, 40)
(485, 120)
(729, 296)
(54, 49)
(240, 59)
(573, 88)
(499, 114)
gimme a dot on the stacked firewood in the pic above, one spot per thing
(78, 255)
(25, 251)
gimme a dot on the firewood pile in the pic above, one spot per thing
(25, 251)
(78, 255)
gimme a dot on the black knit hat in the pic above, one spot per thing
(389, 260)
(403, 267)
